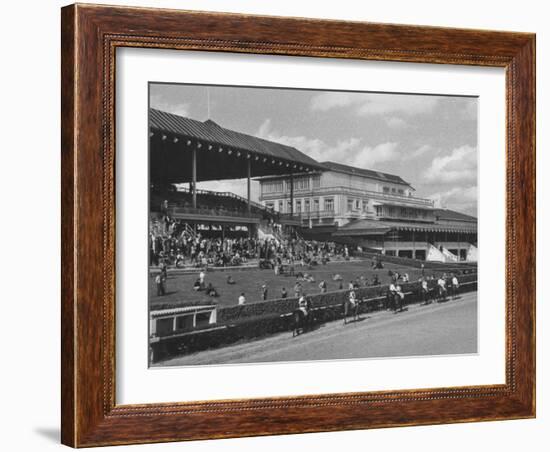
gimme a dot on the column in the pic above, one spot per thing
(291, 194)
(194, 177)
(248, 185)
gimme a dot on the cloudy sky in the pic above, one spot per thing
(430, 141)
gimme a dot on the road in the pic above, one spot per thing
(436, 329)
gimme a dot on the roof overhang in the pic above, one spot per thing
(220, 153)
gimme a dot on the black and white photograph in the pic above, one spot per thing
(295, 225)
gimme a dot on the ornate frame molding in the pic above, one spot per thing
(90, 37)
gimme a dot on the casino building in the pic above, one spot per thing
(375, 210)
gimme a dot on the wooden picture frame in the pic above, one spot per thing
(90, 36)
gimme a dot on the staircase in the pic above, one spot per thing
(434, 255)
(471, 256)
(187, 229)
(449, 257)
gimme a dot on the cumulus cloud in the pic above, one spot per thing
(461, 199)
(375, 104)
(369, 156)
(460, 165)
(415, 154)
(352, 150)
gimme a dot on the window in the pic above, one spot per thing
(329, 204)
(393, 190)
(301, 183)
(306, 205)
(298, 206)
(386, 189)
(350, 205)
(357, 204)
(401, 191)
(316, 205)
(316, 181)
(288, 207)
(281, 206)
(272, 187)
(365, 205)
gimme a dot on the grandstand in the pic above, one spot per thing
(373, 212)
(186, 151)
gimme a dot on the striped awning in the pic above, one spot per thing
(182, 310)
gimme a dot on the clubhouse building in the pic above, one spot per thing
(375, 210)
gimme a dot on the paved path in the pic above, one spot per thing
(436, 329)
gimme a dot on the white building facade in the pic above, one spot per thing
(341, 194)
(375, 210)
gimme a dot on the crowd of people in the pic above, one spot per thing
(173, 244)
(283, 256)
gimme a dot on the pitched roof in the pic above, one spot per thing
(212, 133)
(446, 214)
(366, 227)
(372, 174)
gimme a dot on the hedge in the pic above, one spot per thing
(235, 314)
(264, 318)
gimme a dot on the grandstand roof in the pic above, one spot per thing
(375, 227)
(221, 153)
(372, 174)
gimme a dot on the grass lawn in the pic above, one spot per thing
(179, 288)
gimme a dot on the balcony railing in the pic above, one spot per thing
(340, 189)
(307, 215)
(175, 211)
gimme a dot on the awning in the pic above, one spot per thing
(182, 310)
(375, 227)
(399, 204)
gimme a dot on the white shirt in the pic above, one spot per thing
(242, 300)
(201, 276)
(455, 281)
(441, 282)
(392, 288)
